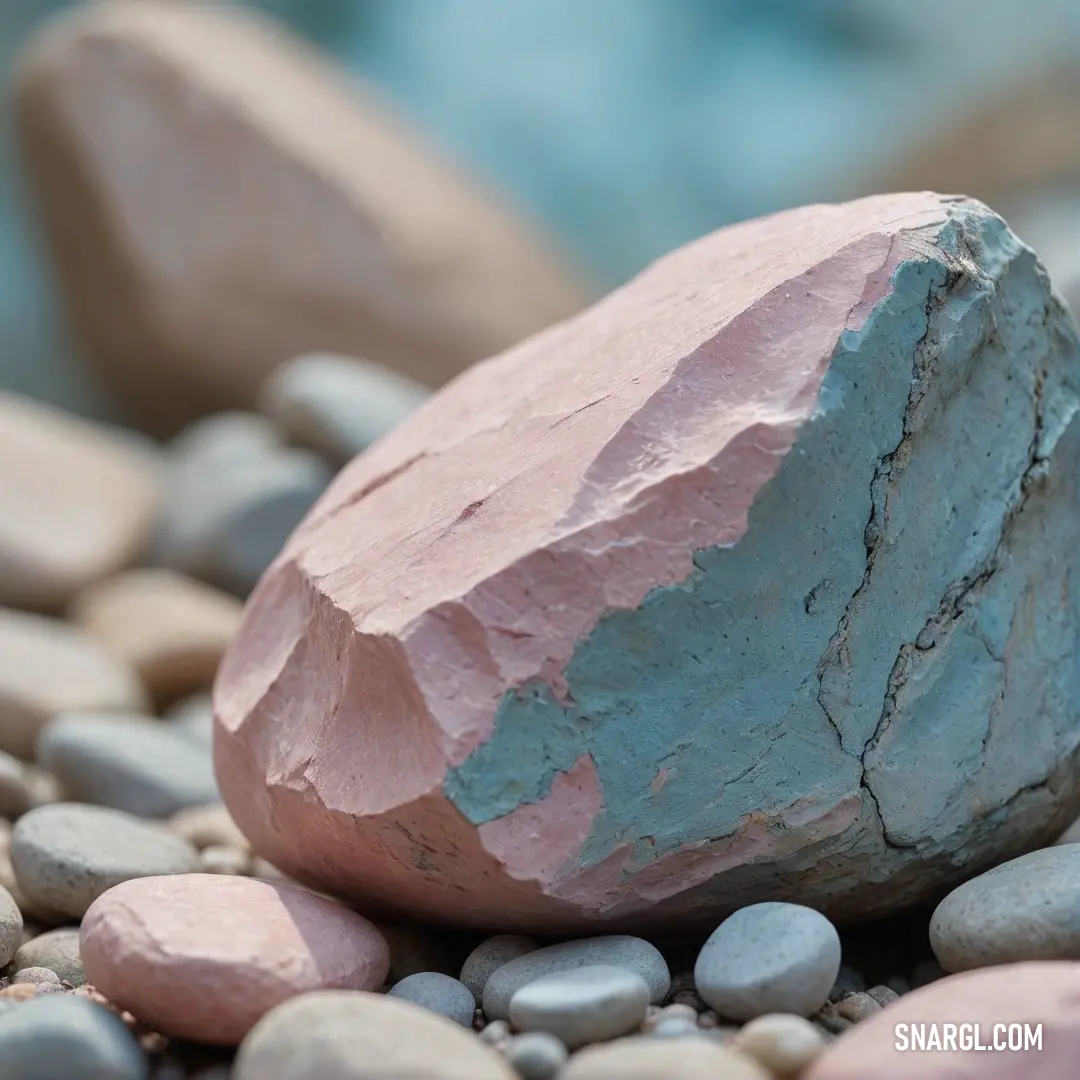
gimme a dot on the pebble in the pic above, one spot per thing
(438, 993)
(208, 826)
(232, 499)
(193, 718)
(48, 666)
(57, 950)
(586, 1005)
(171, 630)
(16, 794)
(36, 976)
(675, 1027)
(337, 405)
(490, 955)
(536, 1055)
(614, 950)
(11, 927)
(204, 956)
(319, 1035)
(60, 1035)
(662, 1059)
(77, 503)
(495, 1033)
(67, 854)
(1015, 994)
(1024, 909)
(783, 1043)
(885, 995)
(856, 1007)
(127, 762)
(218, 859)
(769, 958)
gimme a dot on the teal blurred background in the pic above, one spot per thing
(628, 126)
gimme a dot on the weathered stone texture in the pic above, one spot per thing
(756, 581)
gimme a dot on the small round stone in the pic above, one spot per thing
(856, 1007)
(218, 859)
(357, 1036)
(208, 826)
(767, 958)
(128, 762)
(11, 927)
(1024, 909)
(490, 955)
(675, 1027)
(36, 976)
(586, 1005)
(536, 1055)
(661, 1059)
(495, 1033)
(59, 1035)
(57, 950)
(784, 1044)
(67, 854)
(440, 994)
(205, 956)
(613, 950)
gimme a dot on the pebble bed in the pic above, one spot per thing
(141, 937)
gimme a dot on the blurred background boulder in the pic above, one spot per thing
(625, 126)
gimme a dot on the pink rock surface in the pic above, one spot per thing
(463, 560)
(204, 957)
(1046, 994)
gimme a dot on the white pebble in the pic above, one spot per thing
(589, 1005)
(769, 958)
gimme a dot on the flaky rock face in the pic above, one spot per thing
(756, 581)
(218, 200)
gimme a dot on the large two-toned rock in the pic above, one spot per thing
(218, 199)
(759, 580)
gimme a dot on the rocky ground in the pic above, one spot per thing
(145, 936)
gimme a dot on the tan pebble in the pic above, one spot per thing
(171, 630)
(883, 995)
(783, 1043)
(708, 1019)
(48, 667)
(365, 1037)
(856, 1007)
(218, 859)
(661, 1059)
(209, 826)
(77, 503)
(20, 992)
(652, 1017)
(15, 794)
(828, 1018)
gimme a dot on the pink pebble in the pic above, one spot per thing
(204, 957)
(934, 1033)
